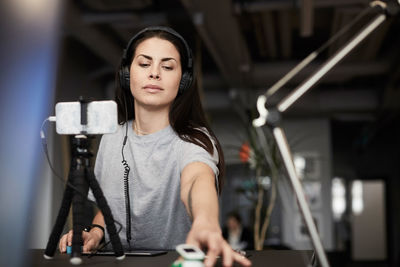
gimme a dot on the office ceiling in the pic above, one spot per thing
(245, 46)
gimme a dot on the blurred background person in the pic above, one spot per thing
(238, 236)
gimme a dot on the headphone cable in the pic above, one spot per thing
(126, 181)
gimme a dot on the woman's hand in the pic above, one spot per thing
(91, 240)
(206, 235)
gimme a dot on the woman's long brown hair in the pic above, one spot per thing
(186, 115)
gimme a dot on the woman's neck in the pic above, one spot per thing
(150, 121)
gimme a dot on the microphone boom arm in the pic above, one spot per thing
(272, 116)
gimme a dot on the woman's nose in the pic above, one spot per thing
(154, 74)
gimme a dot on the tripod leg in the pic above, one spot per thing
(78, 201)
(108, 217)
(60, 222)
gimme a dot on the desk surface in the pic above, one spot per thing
(274, 258)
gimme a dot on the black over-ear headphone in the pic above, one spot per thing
(187, 70)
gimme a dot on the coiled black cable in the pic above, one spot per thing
(126, 191)
(126, 182)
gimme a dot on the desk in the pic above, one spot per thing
(272, 258)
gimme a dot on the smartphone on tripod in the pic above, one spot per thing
(102, 117)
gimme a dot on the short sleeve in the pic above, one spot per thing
(195, 153)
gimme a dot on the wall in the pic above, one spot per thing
(369, 225)
(370, 151)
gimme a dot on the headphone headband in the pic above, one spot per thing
(127, 51)
(187, 72)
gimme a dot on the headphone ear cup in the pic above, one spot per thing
(124, 78)
(186, 82)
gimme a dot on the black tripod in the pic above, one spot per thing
(81, 176)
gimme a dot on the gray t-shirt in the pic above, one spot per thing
(158, 216)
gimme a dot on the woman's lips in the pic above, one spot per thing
(152, 88)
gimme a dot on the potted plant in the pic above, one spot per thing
(260, 154)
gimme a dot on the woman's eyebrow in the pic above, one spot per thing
(163, 59)
(168, 58)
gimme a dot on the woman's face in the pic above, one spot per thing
(155, 73)
(232, 223)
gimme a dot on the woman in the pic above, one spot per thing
(238, 236)
(167, 190)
